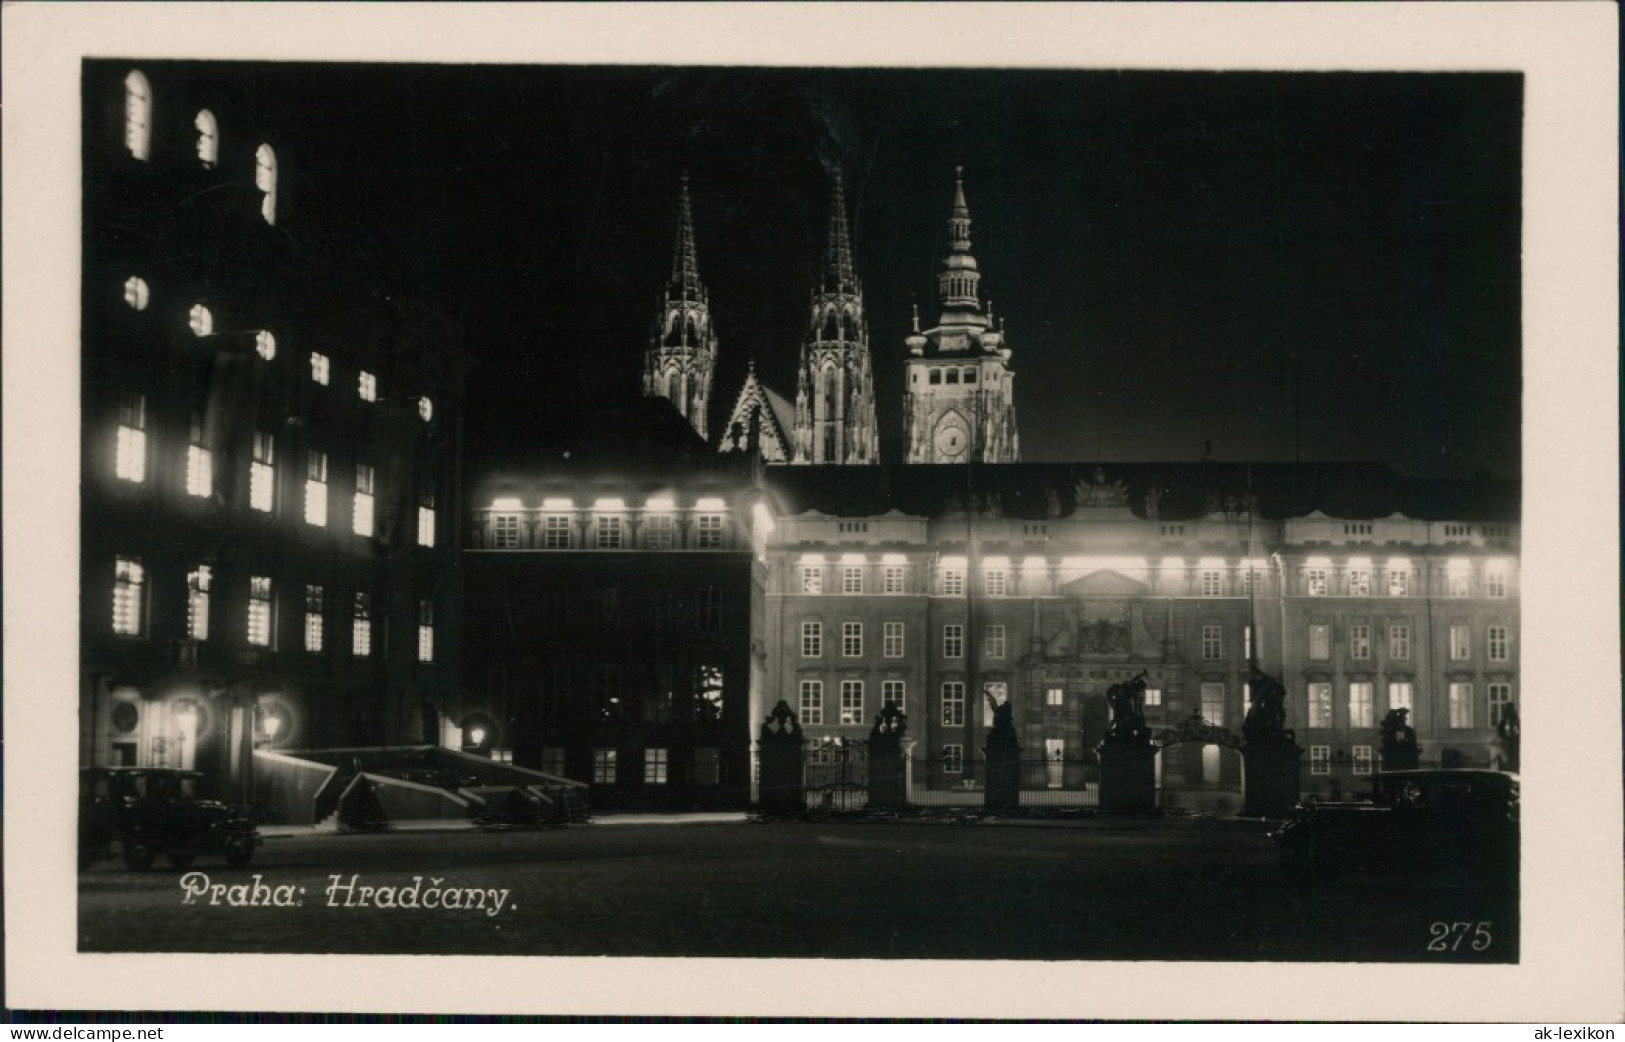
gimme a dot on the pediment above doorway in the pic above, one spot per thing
(1105, 583)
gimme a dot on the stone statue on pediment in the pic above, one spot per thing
(1052, 503)
(1096, 491)
(1153, 496)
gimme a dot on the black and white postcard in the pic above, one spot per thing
(945, 510)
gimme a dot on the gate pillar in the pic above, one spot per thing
(1128, 776)
(1003, 790)
(887, 782)
(780, 750)
(1271, 778)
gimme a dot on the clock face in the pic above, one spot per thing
(951, 441)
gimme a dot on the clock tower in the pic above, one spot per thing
(959, 403)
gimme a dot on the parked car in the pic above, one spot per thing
(1455, 828)
(149, 811)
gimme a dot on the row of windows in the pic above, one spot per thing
(130, 600)
(893, 641)
(851, 708)
(656, 765)
(138, 140)
(1498, 642)
(1362, 710)
(605, 532)
(130, 459)
(952, 376)
(1357, 582)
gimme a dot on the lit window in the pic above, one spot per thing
(1359, 582)
(1320, 641)
(812, 701)
(852, 639)
(136, 293)
(1211, 583)
(1495, 582)
(265, 181)
(505, 532)
(197, 602)
(1153, 696)
(708, 690)
(812, 579)
(1461, 643)
(259, 610)
(953, 641)
(1320, 705)
(1399, 584)
(1399, 641)
(314, 619)
(1212, 642)
(316, 488)
(426, 522)
(1500, 641)
(654, 766)
(137, 115)
(709, 534)
(425, 630)
(812, 639)
(1252, 581)
(1461, 705)
(892, 640)
(953, 582)
(367, 387)
(208, 139)
(425, 409)
(851, 701)
(265, 344)
(892, 691)
(1359, 641)
(1457, 583)
(994, 642)
(1399, 694)
(603, 766)
(994, 582)
(660, 532)
(321, 369)
(1314, 582)
(1247, 642)
(361, 516)
(1212, 695)
(953, 756)
(556, 532)
(129, 596)
(199, 462)
(892, 579)
(262, 472)
(1320, 759)
(1361, 706)
(608, 533)
(201, 320)
(130, 457)
(1362, 759)
(707, 765)
(1500, 700)
(953, 704)
(1055, 696)
(709, 606)
(361, 626)
(852, 579)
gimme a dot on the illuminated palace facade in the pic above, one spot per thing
(270, 493)
(1043, 585)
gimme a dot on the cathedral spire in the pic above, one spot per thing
(959, 217)
(682, 351)
(685, 266)
(956, 285)
(839, 275)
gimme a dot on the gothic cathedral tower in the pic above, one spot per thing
(683, 348)
(959, 403)
(835, 391)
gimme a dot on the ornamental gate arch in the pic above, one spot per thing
(1196, 728)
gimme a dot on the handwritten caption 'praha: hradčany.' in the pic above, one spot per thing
(342, 892)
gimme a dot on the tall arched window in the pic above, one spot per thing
(208, 139)
(136, 293)
(137, 114)
(265, 181)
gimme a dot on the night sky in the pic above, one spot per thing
(1319, 266)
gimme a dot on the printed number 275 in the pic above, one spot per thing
(1448, 937)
